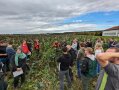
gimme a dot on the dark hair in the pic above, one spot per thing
(10, 42)
(64, 49)
(82, 44)
(116, 49)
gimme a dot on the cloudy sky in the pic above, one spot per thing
(48, 16)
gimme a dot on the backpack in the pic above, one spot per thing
(88, 67)
(84, 66)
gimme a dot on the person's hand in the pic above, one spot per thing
(29, 53)
(3, 54)
(19, 69)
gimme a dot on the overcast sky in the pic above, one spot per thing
(48, 16)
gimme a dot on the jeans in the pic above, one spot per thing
(3, 85)
(85, 82)
(6, 63)
(71, 74)
(61, 77)
(78, 69)
(98, 68)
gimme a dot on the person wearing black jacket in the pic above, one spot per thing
(18, 65)
(89, 43)
(64, 64)
(29, 43)
(72, 52)
(3, 56)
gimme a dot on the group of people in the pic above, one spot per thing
(12, 60)
(88, 57)
(89, 60)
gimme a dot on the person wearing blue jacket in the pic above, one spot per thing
(10, 52)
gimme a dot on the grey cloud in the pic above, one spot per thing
(31, 14)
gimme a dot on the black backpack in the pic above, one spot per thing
(84, 66)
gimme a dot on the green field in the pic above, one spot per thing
(43, 74)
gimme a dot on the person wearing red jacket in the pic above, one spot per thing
(25, 47)
(26, 51)
(56, 44)
(37, 46)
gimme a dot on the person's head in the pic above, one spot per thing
(99, 40)
(88, 40)
(3, 43)
(19, 50)
(82, 44)
(36, 40)
(64, 40)
(110, 39)
(29, 41)
(10, 43)
(88, 51)
(68, 47)
(112, 50)
(98, 46)
(24, 42)
(75, 40)
(64, 49)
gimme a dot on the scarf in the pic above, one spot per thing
(17, 56)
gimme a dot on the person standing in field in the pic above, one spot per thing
(114, 43)
(10, 51)
(88, 43)
(98, 49)
(3, 56)
(75, 45)
(37, 46)
(100, 41)
(80, 57)
(110, 43)
(88, 68)
(109, 77)
(64, 64)
(19, 65)
(73, 54)
(26, 51)
(25, 48)
(63, 43)
(56, 45)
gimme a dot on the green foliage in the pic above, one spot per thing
(43, 73)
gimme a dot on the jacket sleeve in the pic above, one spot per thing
(112, 69)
